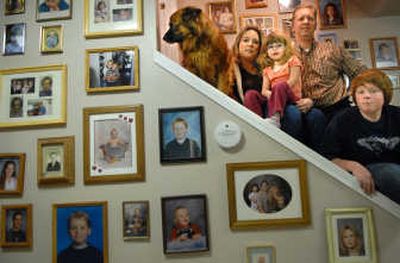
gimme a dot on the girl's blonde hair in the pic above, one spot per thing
(275, 37)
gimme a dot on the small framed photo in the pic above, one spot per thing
(384, 52)
(16, 227)
(113, 144)
(14, 7)
(14, 39)
(112, 69)
(351, 44)
(80, 229)
(255, 3)
(106, 18)
(332, 14)
(265, 194)
(265, 22)
(351, 235)
(182, 137)
(33, 97)
(12, 167)
(223, 16)
(136, 220)
(328, 37)
(52, 39)
(260, 254)
(53, 10)
(55, 160)
(287, 6)
(394, 76)
(185, 224)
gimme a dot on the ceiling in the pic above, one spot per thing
(373, 8)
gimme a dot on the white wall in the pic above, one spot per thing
(159, 89)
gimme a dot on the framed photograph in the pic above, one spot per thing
(106, 18)
(287, 6)
(16, 226)
(80, 229)
(384, 52)
(260, 254)
(112, 69)
(351, 235)
(265, 22)
(394, 76)
(328, 37)
(14, 39)
(255, 3)
(113, 144)
(264, 194)
(33, 97)
(14, 7)
(185, 224)
(136, 220)
(332, 14)
(223, 16)
(52, 39)
(12, 167)
(182, 136)
(56, 160)
(53, 10)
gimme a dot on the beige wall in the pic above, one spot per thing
(159, 89)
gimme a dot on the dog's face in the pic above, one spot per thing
(183, 24)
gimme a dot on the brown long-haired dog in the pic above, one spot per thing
(205, 51)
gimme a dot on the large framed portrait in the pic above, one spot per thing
(113, 144)
(136, 220)
(16, 226)
(332, 14)
(182, 136)
(112, 69)
(223, 15)
(12, 167)
(260, 254)
(14, 39)
(265, 22)
(256, 3)
(351, 235)
(52, 39)
(14, 7)
(106, 18)
(56, 160)
(33, 97)
(80, 229)
(264, 194)
(384, 52)
(53, 10)
(185, 224)
(287, 6)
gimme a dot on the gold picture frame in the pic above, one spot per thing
(95, 215)
(16, 226)
(384, 52)
(265, 194)
(113, 140)
(52, 39)
(14, 185)
(261, 253)
(12, 7)
(111, 19)
(55, 161)
(357, 226)
(33, 97)
(265, 22)
(136, 220)
(112, 69)
(45, 12)
(256, 4)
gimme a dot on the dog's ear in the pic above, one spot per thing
(190, 13)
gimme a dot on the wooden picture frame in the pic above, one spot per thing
(192, 213)
(14, 39)
(91, 218)
(332, 14)
(136, 220)
(52, 39)
(265, 194)
(113, 140)
(255, 3)
(351, 235)
(223, 14)
(384, 52)
(16, 226)
(56, 161)
(182, 135)
(106, 18)
(14, 7)
(255, 254)
(46, 11)
(33, 97)
(287, 6)
(112, 69)
(265, 22)
(12, 163)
